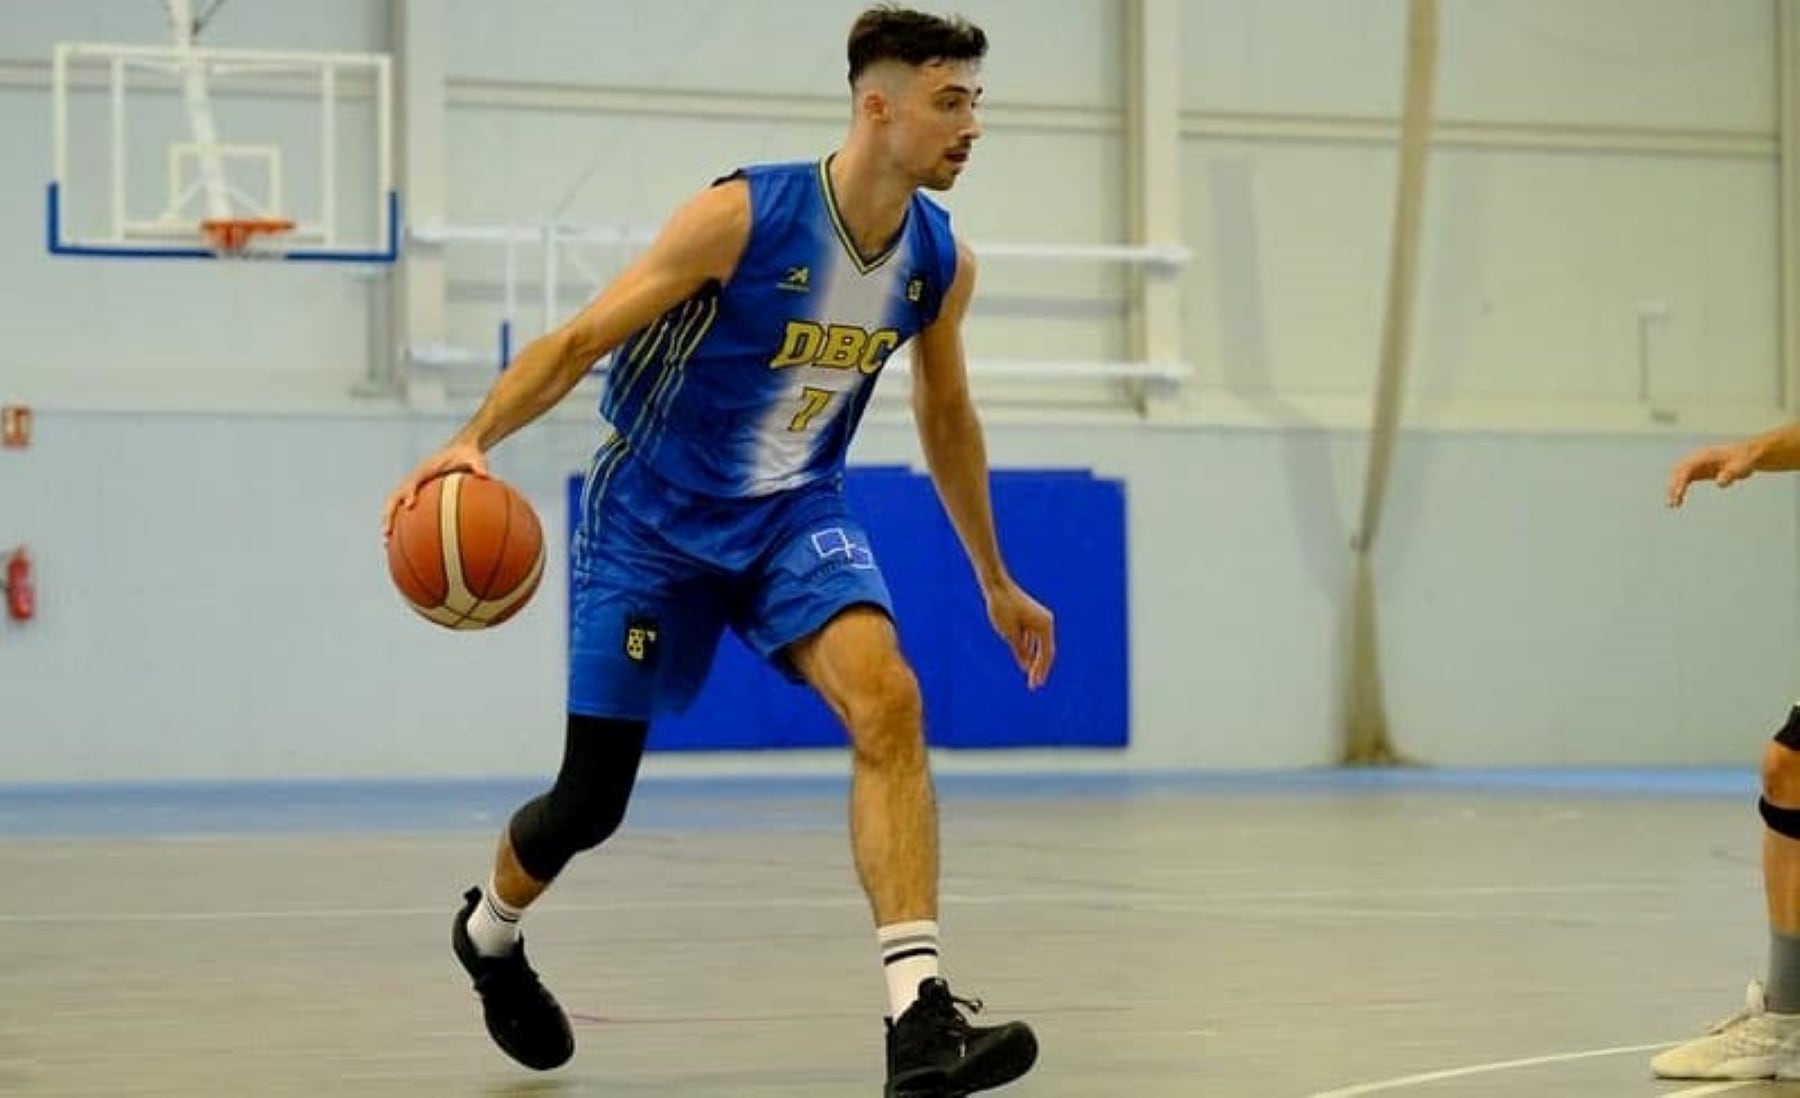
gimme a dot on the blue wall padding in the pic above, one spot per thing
(1063, 532)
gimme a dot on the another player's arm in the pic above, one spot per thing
(700, 243)
(1772, 451)
(956, 454)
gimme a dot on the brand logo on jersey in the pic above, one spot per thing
(797, 280)
(834, 346)
(915, 289)
(640, 639)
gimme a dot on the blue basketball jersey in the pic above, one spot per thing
(757, 385)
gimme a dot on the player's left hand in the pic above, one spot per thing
(1027, 627)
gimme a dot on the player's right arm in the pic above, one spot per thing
(1727, 463)
(700, 243)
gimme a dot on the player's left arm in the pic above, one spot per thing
(956, 454)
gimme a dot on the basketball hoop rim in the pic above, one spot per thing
(230, 235)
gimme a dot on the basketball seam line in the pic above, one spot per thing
(413, 570)
(499, 557)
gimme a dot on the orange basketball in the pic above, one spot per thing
(468, 553)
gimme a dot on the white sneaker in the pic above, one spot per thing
(1752, 1044)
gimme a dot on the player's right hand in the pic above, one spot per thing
(458, 456)
(1723, 465)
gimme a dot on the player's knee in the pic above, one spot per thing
(590, 816)
(885, 714)
(1780, 803)
(1781, 775)
(549, 830)
(1781, 763)
(887, 695)
(587, 804)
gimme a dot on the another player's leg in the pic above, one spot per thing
(855, 663)
(583, 809)
(1763, 1040)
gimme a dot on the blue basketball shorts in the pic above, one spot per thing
(657, 573)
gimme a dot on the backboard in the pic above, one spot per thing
(182, 151)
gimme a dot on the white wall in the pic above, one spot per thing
(214, 601)
(1538, 250)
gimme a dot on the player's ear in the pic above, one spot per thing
(879, 91)
(873, 102)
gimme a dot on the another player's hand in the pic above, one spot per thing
(456, 456)
(1027, 627)
(1723, 465)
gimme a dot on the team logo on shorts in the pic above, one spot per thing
(833, 541)
(640, 639)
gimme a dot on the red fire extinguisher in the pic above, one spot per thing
(21, 596)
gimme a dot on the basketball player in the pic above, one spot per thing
(1763, 1040)
(746, 342)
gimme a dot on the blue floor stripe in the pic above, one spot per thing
(162, 810)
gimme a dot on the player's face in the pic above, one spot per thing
(935, 122)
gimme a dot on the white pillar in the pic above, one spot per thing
(1153, 179)
(420, 55)
(1787, 58)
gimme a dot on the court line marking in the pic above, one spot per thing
(1482, 1069)
(1715, 1088)
(1222, 904)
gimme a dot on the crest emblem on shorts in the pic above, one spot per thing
(640, 639)
(834, 541)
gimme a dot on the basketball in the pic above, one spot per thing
(469, 552)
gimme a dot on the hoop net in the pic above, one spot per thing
(231, 236)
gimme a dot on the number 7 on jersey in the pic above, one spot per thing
(813, 400)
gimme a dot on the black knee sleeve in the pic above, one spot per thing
(1784, 821)
(1789, 736)
(587, 803)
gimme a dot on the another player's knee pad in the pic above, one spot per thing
(587, 803)
(1782, 821)
(1789, 734)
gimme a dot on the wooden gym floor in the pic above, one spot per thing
(1429, 934)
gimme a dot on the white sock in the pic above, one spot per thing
(909, 954)
(494, 924)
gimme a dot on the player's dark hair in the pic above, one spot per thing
(890, 33)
